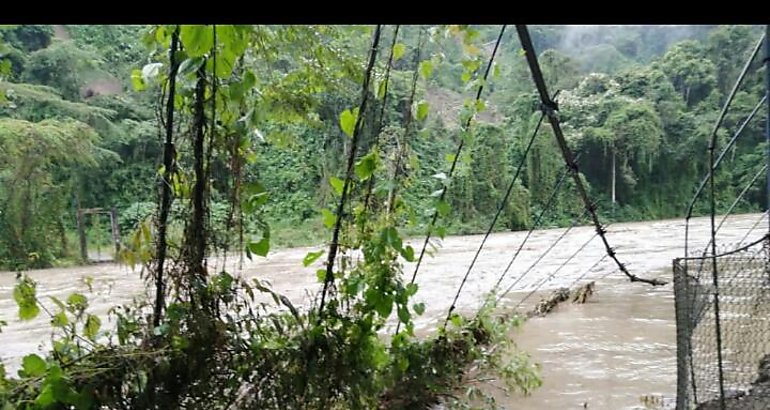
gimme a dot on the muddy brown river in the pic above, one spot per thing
(604, 354)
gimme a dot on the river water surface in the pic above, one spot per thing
(604, 354)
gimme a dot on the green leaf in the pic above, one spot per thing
(223, 282)
(380, 356)
(225, 62)
(426, 69)
(384, 305)
(365, 166)
(77, 302)
(496, 72)
(408, 253)
(403, 363)
(480, 106)
(256, 195)
(260, 248)
(24, 294)
(137, 81)
(249, 80)
(353, 285)
(456, 320)
(391, 237)
(337, 184)
(422, 110)
(254, 202)
(321, 275)
(466, 114)
(33, 365)
(348, 121)
(311, 257)
(450, 158)
(419, 308)
(232, 38)
(161, 35)
(175, 311)
(411, 289)
(92, 326)
(180, 342)
(398, 50)
(329, 219)
(190, 66)
(197, 39)
(403, 314)
(60, 320)
(54, 373)
(466, 76)
(443, 208)
(46, 396)
(84, 400)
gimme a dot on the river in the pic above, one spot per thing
(604, 354)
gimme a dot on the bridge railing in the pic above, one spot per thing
(742, 299)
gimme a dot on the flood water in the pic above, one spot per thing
(604, 354)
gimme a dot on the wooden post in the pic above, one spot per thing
(82, 234)
(115, 230)
(613, 180)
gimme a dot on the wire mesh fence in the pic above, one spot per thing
(739, 306)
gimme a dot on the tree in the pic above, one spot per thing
(559, 70)
(28, 38)
(38, 160)
(62, 66)
(615, 132)
(691, 73)
(728, 47)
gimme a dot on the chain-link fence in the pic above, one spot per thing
(739, 306)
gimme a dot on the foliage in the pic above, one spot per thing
(264, 118)
(219, 343)
(63, 66)
(27, 37)
(38, 160)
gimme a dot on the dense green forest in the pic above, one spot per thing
(213, 139)
(640, 97)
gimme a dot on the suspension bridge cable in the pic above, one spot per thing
(702, 259)
(407, 126)
(500, 208)
(725, 107)
(378, 130)
(540, 258)
(457, 155)
(551, 276)
(767, 122)
(730, 210)
(713, 163)
(753, 227)
(166, 198)
(550, 108)
(549, 202)
(722, 154)
(329, 279)
(713, 207)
